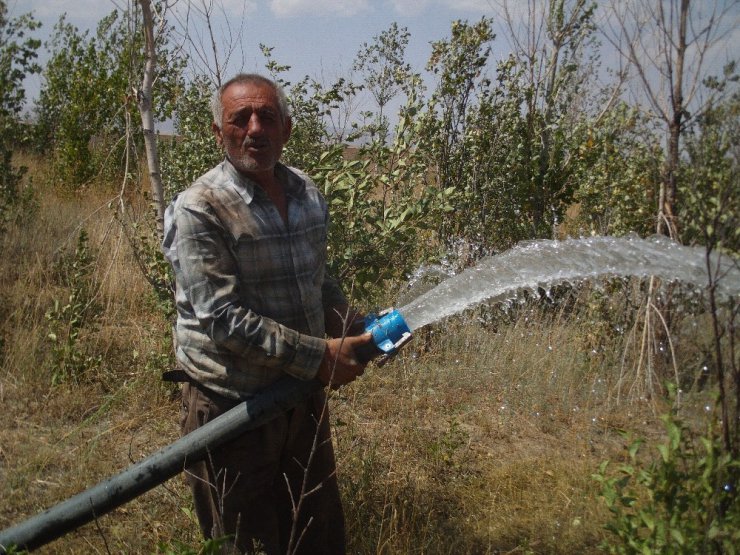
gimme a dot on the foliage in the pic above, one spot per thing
(386, 73)
(684, 502)
(459, 64)
(88, 86)
(84, 88)
(709, 187)
(316, 115)
(377, 218)
(18, 55)
(504, 146)
(553, 99)
(617, 169)
(312, 107)
(496, 167)
(193, 149)
(147, 250)
(69, 319)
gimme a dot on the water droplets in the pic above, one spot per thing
(534, 267)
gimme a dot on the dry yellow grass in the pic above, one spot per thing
(473, 440)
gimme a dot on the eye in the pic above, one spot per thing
(268, 115)
(239, 120)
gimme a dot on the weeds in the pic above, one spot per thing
(206, 547)
(68, 320)
(480, 437)
(684, 501)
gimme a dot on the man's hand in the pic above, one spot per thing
(340, 365)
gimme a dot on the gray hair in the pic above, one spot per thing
(247, 78)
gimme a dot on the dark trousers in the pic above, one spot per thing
(261, 488)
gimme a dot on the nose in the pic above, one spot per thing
(254, 125)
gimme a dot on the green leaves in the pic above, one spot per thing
(194, 151)
(617, 171)
(709, 184)
(89, 86)
(677, 503)
(71, 359)
(18, 54)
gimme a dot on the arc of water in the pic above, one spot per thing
(548, 262)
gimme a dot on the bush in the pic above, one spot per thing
(685, 501)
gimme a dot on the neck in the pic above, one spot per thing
(275, 190)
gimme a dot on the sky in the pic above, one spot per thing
(314, 37)
(321, 38)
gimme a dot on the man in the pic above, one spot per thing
(247, 242)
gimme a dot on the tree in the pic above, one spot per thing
(385, 71)
(89, 85)
(667, 44)
(193, 150)
(312, 106)
(459, 64)
(209, 53)
(616, 169)
(503, 142)
(18, 54)
(551, 45)
(710, 184)
(146, 108)
(84, 88)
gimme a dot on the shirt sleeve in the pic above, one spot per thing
(331, 293)
(207, 272)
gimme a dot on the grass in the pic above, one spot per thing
(480, 437)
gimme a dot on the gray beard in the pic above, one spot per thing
(243, 163)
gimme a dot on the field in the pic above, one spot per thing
(480, 437)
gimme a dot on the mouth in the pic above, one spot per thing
(255, 146)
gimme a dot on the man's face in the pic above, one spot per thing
(253, 131)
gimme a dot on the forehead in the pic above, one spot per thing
(253, 95)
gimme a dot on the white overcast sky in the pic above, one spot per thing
(313, 36)
(320, 38)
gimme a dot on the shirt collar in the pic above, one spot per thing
(295, 186)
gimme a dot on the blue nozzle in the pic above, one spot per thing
(389, 330)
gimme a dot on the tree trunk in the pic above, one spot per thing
(667, 220)
(144, 98)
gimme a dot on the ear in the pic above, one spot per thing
(287, 129)
(217, 132)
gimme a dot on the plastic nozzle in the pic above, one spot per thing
(390, 332)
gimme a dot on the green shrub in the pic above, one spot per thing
(69, 318)
(685, 501)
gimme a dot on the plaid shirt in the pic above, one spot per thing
(251, 292)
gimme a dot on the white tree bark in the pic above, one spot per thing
(144, 99)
